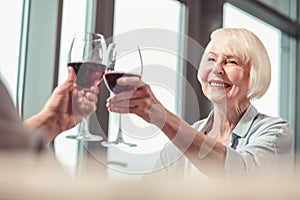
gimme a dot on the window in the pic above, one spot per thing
(164, 15)
(73, 21)
(271, 38)
(287, 7)
(10, 21)
(282, 45)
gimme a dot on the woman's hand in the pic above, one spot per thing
(66, 107)
(140, 100)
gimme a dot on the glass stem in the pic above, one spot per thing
(120, 135)
(84, 127)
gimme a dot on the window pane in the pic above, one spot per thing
(74, 13)
(138, 14)
(271, 38)
(286, 7)
(73, 21)
(10, 22)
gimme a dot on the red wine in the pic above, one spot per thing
(88, 73)
(111, 79)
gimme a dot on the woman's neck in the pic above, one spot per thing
(226, 117)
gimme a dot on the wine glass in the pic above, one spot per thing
(121, 62)
(86, 56)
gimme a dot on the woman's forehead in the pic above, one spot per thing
(229, 48)
(221, 45)
(226, 54)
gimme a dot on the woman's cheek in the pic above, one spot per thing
(235, 74)
(204, 87)
(204, 71)
(203, 80)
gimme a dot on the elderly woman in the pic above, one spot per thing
(235, 137)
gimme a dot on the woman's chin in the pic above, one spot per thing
(217, 98)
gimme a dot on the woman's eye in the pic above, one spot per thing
(232, 62)
(211, 59)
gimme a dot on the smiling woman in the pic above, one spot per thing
(242, 72)
(222, 73)
(235, 138)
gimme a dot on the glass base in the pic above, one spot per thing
(108, 144)
(85, 137)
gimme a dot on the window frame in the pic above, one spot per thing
(38, 16)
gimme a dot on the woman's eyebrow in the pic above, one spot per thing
(232, 57)
(211, 53)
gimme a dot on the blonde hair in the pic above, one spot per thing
(246, 46)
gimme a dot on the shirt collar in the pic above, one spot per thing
(245, 122)
(207, 123)
(243, 126)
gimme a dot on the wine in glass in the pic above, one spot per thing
(121, 63)
(86, 56)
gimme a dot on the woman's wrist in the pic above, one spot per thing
(158, 115)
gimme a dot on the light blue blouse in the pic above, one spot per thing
(258, 141)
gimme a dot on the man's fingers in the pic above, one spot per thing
(71, 74)
(94, 89)
(85, 108)
(69, 82)
(91, 97)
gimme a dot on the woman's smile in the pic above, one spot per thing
(217, 84)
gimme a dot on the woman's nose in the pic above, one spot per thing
(218, 67)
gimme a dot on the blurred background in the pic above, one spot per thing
(36, 35)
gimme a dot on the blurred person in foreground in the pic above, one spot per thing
(235, 138)
(64, 109)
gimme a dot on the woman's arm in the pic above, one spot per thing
(267, 146)
(142, 102)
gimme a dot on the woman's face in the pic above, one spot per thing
(224, 78)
